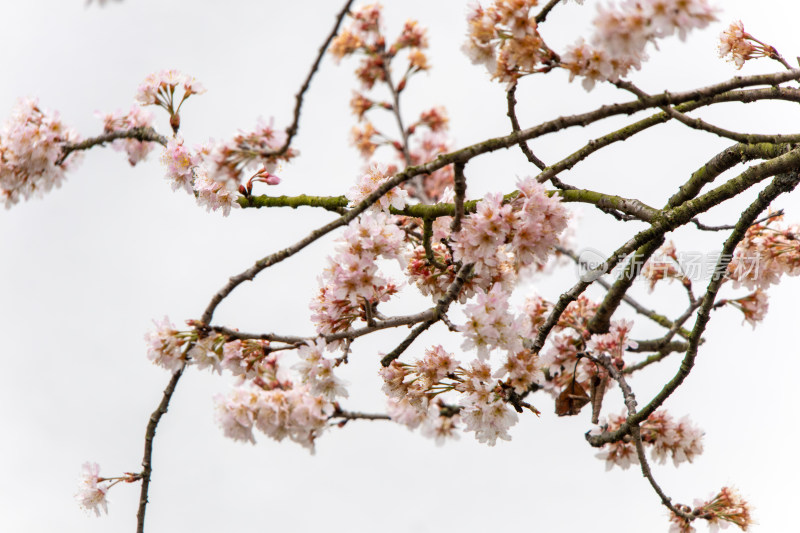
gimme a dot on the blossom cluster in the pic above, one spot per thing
(527, 228)
(214, 174)
(32, 145)
(663, 265)
(439, 422)
(351, 286)
(265, 399)
(277, 412)
(365, 36)
(738, 46)
(504, 37)
(679, 440)
(621, 34)
(767, 252)
(413, 391)
(159, 89)
(723, 508)
(230, 161)
(369, 182)
(563, 360)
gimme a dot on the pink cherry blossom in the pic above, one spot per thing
(165, 345)
(31, 143)
(369, 182)
(212, 194)
(316, 371)
(180, 163)
(91, 494)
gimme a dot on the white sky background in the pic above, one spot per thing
(86, 268)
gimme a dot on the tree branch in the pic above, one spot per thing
(150, 433)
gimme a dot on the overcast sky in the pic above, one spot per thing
(87, 268)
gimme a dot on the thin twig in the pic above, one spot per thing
(512, 115)
(703, 227)
(291, 131)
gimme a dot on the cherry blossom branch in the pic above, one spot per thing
(725, 160)
(150, 433)
(707, 95)
(395, 92)
(396, 111)
(140, 134)
(337, 204)
(652, 345)
(351, 334)
(248, 275)
(291, 131)
(782, 183)
(427, 235)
